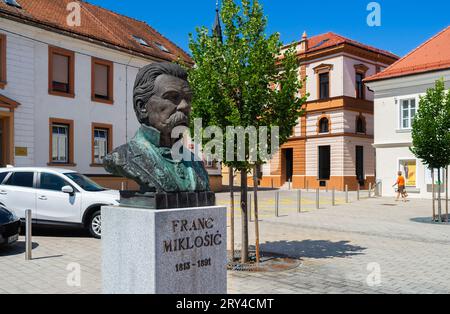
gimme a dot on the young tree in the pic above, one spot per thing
(233, 82)
(431, 132)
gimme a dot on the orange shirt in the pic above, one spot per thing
(401, 181)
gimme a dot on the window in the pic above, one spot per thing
(22, 179)
(360, 86)
(102, 81)
(3, 175)
(324, 85)
(2, 61)
(52, 182)
(324, 162)
(324, 125)
(360, 125)
(162, 47)
(101, 142)
(13, 3)
(84, 182)
(61, 72)
(61, 142)
(141, 41)
(407, 113)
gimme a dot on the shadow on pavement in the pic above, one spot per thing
(58, 232)
(15, 249)
(429, 220)
(318, 249)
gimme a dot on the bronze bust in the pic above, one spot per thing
(162, 101)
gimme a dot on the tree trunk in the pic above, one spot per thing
(244, 216)
(434, 194)
(231, 183)
(446, 194)
(439, 196)
(255, 191)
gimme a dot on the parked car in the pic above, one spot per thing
(9, 227)
(55, 196)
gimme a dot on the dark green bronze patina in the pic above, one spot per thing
(162, 101)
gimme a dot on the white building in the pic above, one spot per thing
(397, 91)
(66, 91)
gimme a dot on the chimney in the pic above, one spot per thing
(303, 46)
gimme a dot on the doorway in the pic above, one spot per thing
(360, 165)
(324, 162)
(6, 139)
(289, 164)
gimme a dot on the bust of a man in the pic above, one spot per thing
(162, 101)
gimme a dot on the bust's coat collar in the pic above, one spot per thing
(149, 134)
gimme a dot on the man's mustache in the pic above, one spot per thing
(178, 118)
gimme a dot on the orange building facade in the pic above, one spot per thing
(331, 146)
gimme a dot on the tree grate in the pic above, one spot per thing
(269, 262)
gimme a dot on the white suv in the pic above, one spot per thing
(55, 196)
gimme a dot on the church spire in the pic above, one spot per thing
(217, 28)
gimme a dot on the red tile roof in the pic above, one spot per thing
(331, 39)
(98, 24)
(432, 55)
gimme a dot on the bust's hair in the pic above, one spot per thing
(144, 87)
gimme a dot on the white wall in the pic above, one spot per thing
(392, 143)
(27, 52)
(20, 87)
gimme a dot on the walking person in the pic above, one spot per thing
(401, 187)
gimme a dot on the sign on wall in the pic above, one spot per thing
(21, 151)
(409, 169)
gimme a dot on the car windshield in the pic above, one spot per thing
(84, 182)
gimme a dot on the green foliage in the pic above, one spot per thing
(431, 128)
(233, 80)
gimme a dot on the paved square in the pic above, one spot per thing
(342, 249)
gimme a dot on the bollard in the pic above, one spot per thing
(28, 235)
(346, 193)
(289, 185)
(333, 197)
(307, 186)
(318, 199)
(358, 193)
(299, 201)
(277, 204)
(370, 190)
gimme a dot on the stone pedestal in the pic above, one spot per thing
(180, 251)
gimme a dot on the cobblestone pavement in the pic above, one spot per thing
(342, 249)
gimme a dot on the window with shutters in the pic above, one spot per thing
(2, 61)
(102, 81)
(61, 72)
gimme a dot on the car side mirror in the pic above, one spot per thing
(68, 189)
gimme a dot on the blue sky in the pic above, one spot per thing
(404, 24)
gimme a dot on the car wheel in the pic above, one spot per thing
(95, 225)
